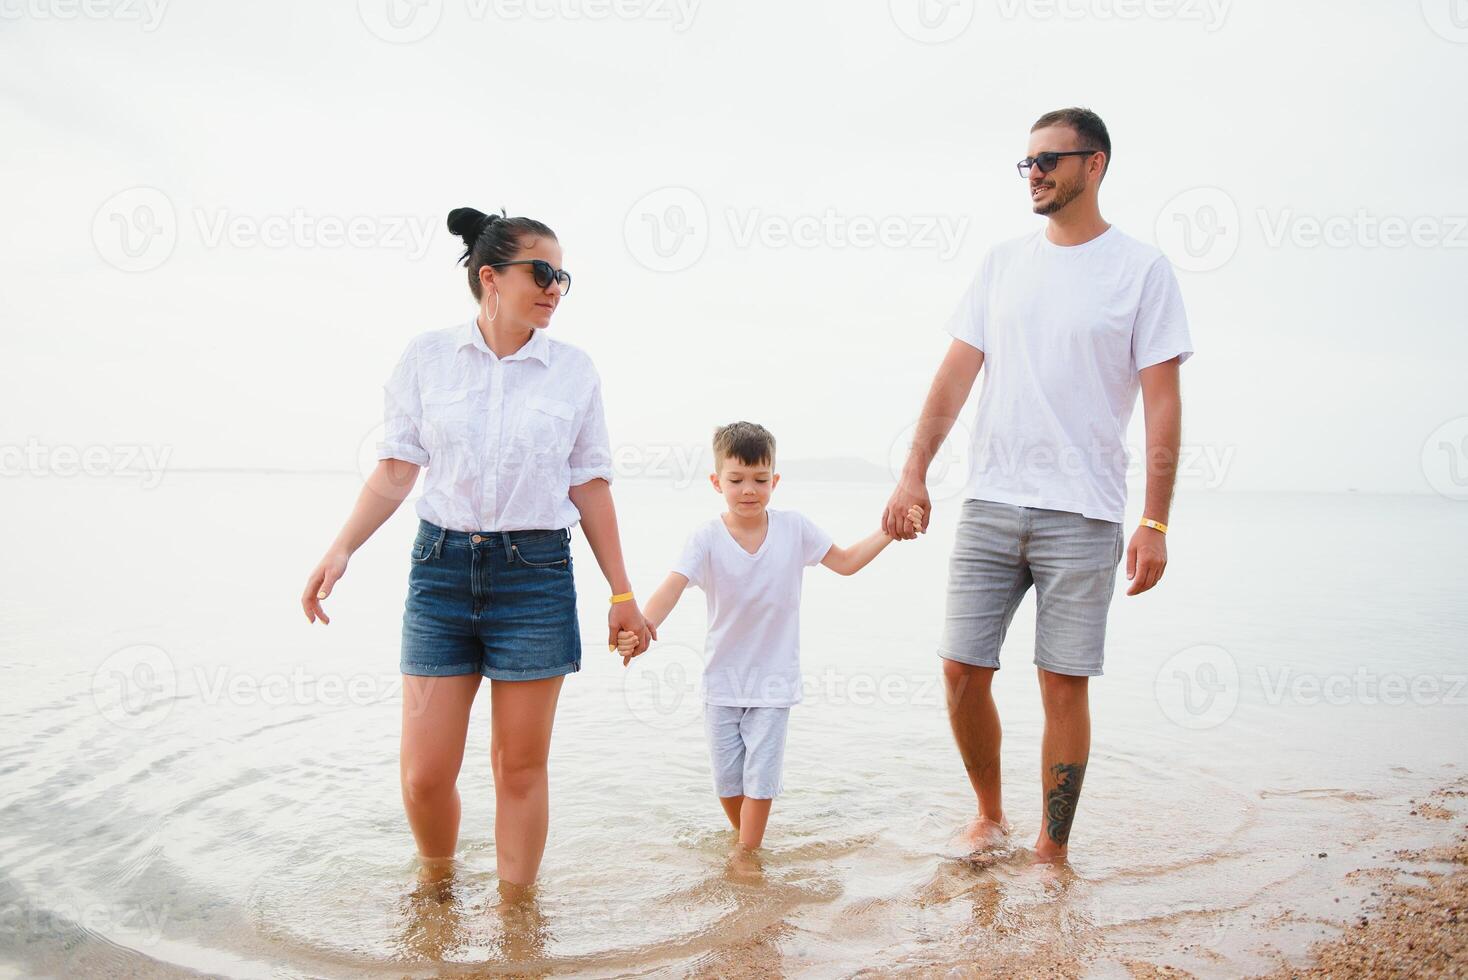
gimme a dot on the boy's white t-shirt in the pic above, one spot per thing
(1064, 331)
(753, 645)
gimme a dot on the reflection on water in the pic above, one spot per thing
(194, 781)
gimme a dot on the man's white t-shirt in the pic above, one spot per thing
(1064, 331)
(753, 645)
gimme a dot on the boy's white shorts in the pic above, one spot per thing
(747, 746)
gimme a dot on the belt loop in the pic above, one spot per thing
(509, 555)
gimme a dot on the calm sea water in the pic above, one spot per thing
(194, 779)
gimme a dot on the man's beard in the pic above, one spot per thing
(1060, 196)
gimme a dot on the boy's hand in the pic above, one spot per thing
(915, 515)
(626, 646)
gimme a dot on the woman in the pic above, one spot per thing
(509, 424)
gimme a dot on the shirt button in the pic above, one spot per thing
(476, 539)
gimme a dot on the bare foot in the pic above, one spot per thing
(435, 870)
(982, 834)
(1047, 852)
(744, 863)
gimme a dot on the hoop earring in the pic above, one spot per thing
(491, 319)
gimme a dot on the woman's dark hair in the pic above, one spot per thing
(491, 238)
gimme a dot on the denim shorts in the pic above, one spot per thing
(497, 603)
(1000, 551)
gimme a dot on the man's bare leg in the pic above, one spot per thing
(1063, 755)
(975, 722)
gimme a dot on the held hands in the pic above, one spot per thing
(914, 520)
(625, 620)
(898, 520)
(627, 646)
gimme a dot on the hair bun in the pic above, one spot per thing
(469, 224)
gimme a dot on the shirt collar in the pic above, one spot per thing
(538, 346)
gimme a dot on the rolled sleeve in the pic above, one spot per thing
(402, 412)
(591, 453)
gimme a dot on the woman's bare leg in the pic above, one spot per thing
(435, 725)
(521, 716)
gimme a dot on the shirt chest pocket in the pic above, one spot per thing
(445, 422)
(545, 428)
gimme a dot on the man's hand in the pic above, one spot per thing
(626, 616)
(897, 519)
(1146, 557)
(915, 518)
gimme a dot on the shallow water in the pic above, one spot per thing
(194, 779)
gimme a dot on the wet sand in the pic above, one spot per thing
(1418, 924)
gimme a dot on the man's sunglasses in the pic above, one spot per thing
(1048, 160)
(543, 271)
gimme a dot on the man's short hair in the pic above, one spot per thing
(747, 442)
(1090, 130)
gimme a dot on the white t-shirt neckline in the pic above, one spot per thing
(1088, 243)
(739, 547)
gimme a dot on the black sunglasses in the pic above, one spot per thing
(544, 273)
(1049, 160)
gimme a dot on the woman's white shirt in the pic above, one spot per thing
(503, 440)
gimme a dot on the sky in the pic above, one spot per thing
(224, 222)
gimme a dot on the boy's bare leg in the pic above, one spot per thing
(975, 721)
(1063, 755)
(753, 815)
(731, 805)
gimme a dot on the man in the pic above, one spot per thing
(1067, 324)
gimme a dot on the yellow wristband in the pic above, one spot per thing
(624, 597)
(1156, 525)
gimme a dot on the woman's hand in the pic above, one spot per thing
(626, 616)
(318, 586)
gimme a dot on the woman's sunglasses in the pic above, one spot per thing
(1048, 160)
(543, 271)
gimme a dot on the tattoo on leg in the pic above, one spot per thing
(1060, 802)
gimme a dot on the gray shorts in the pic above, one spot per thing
(747, 746)
(1000, 551)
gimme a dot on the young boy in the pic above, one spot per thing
(749, 561)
